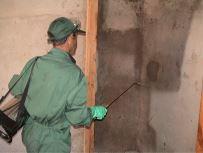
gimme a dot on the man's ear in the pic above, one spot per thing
(68, 41)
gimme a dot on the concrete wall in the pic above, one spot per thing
(120, 54)
(159, 43)
(23, 26)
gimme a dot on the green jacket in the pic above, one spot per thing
(56, 99)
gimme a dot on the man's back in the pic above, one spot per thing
(54, 77)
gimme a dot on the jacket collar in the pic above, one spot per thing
(61, 54)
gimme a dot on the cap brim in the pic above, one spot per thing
(78, 30)
(81, 32)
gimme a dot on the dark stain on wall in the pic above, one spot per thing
(165, 36)
(153, 68)
(156, 61)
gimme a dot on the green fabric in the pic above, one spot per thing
(98, 112)
(60, 28)
(56, 100)
(42, 139)
(20, 86)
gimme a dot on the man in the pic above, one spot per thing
(57, 93)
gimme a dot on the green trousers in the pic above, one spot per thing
(39, 138)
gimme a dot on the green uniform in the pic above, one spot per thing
(56, 100)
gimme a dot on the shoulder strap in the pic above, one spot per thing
(24, 95)
(27, 85)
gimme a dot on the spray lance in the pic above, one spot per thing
(136, 83)
(99, 112)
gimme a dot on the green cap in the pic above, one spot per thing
(61, 28)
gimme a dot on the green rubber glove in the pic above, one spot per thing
(98, 112)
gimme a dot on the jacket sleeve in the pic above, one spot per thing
(19, 87)
(77, 113)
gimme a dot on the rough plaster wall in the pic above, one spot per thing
(173, 40)
(23, 26)
(159, 43)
